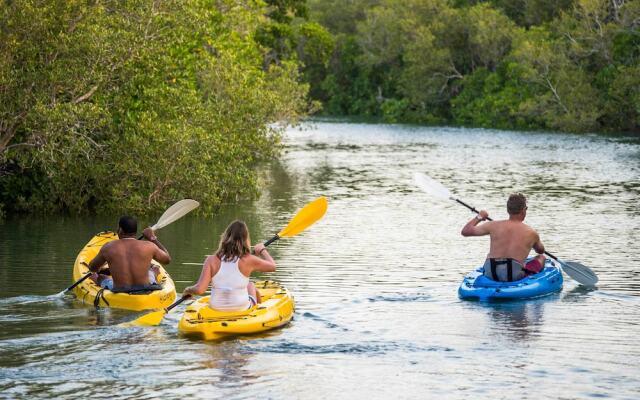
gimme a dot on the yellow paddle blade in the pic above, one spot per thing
(305, 217)
(151, 319)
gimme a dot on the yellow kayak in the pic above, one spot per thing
(90, 293)
(275, 310)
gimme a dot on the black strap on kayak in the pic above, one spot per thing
(100, 295)
(494, 264)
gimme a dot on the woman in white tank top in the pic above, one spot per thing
(228, 271)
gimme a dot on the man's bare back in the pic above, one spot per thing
(510, 238)
(129, 259)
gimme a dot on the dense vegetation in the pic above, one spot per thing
(128, 106)
(569, 65)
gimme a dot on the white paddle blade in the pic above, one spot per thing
(431, 186)
(579, 273)
(175, 212)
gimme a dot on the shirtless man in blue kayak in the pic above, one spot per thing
(511, 242)
(129, 259)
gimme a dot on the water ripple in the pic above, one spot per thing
(375, 281)
(371, 348)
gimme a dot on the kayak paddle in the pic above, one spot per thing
(302, 220)
(173, 213)
(578, 272)
(153, 318)
(79, 281)
(306, 217)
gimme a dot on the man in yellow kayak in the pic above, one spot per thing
(129, 259)
(511, 242)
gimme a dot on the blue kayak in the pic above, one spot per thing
(476, 286)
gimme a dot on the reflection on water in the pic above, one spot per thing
(520, 321)
(375, 281)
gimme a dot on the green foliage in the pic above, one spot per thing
(283, 11)
(315, 47)
(622, 104)
(315, 43)
(489, 36)
(394, 110)
(428, 72)
(493, 100)
(349, 88)
(277, 33)
(471, 62)
(128, 107)
(339, 16)
(626, 48)
(525, 12)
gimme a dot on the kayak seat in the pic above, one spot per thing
(483, 281)
(503, 270)
(210, 313)
(146, 289)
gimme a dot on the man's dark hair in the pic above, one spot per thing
(516, 203)
(128, 224)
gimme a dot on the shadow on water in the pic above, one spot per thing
(280, 188)
(578, 293)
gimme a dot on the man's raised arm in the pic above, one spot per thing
(473, 229)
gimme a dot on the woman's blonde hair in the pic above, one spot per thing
(234, 241)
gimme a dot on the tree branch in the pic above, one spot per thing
(555, 93)
(21, 145)
(6, 134)
(161, 186)
(86, 95)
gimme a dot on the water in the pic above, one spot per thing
(375, 281)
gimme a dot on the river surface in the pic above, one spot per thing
(375, 281)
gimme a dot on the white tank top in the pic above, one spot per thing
(229, 288)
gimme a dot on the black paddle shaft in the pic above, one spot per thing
(183, 298)
(79, 281)
(470, 208)
(273, 239)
